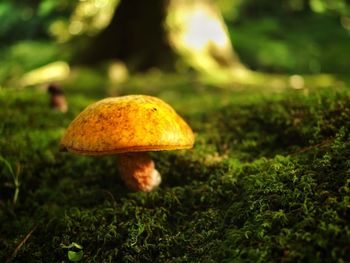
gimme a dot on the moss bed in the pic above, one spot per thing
(267, 181)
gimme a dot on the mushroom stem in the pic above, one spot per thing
(138, 172)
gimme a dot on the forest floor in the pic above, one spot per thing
(268, 179)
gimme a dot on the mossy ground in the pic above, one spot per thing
(267, 181)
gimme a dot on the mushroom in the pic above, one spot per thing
(129, 127)
(57, 99)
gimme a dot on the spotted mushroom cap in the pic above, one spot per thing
(127, 124)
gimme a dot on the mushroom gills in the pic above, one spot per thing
(138, 171)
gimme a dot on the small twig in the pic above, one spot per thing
(24, 240)
(325, 143)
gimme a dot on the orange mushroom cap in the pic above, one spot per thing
(131, 123)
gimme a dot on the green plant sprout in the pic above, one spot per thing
(74, 256)
(15, 177)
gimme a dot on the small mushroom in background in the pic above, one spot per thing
(129, 127)
(57, 99)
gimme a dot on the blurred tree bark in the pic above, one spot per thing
(135, 35)
(148, 34)
(138, 36)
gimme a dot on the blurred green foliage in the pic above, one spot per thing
(293, 36)
(30, 19)
(25, 43)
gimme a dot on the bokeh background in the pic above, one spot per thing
(289, 37)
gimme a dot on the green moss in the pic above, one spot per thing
(268, 180)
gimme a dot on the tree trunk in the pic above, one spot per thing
(135, 35)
